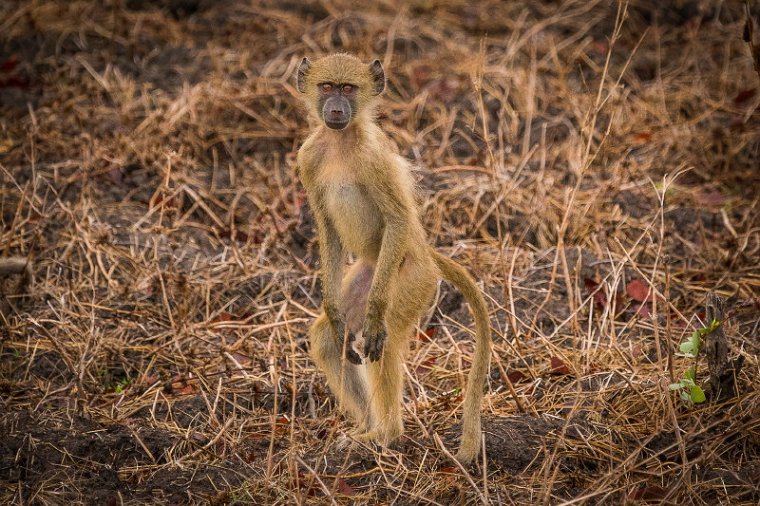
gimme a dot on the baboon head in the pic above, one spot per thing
(339, 87)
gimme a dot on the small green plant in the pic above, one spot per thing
(122, 385)
(687, 387)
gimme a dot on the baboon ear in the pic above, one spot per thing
(303, 68)
(378, 77)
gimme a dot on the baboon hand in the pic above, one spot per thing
(374, 337)
(339, 327)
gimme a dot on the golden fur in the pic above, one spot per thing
(362, 195)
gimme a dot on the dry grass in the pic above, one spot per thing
(565, 149)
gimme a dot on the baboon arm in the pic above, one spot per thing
(392, 251)
(331, 251)
(332, 255)
(395, 241)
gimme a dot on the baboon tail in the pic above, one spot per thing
(471, 430)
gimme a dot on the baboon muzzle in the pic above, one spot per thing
(336, 112)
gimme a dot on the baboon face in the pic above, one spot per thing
(338, 87)
(337, 101)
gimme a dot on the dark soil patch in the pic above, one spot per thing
(98, 463)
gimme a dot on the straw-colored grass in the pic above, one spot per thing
(568, 153)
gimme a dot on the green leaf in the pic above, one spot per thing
(690, 374)
(685, 396)
(675, 386)
(696, 341)
(691, 346)
(697, 394)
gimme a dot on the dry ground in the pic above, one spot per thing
(573, 157)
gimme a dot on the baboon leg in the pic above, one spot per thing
(346, 380)
(386, 387)
(386, 376)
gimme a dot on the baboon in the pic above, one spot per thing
(361, 193)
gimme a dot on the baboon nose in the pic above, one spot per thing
(336, 118)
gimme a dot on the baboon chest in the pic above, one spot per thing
(355, 216)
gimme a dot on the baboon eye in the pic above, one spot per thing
(327, 87)
(348, 88)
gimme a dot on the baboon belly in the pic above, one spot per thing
(356, 218)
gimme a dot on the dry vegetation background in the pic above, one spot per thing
(599, 182)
